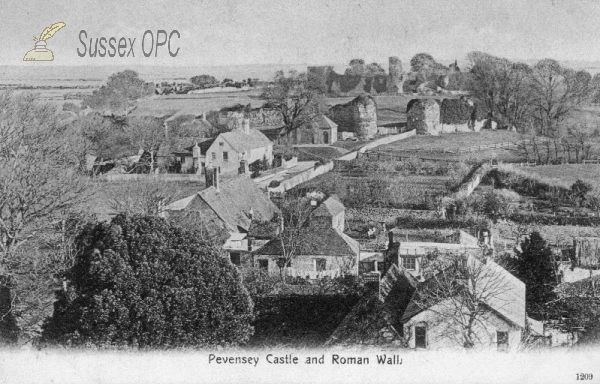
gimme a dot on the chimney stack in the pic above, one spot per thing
(211, 177)
(246, 126)
(203, 116)
(390, 239)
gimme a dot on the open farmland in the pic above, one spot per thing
(455, 146)
(565, 175)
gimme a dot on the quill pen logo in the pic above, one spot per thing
(40, 52)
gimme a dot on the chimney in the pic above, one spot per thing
(249, 244)
(211, 177)
(246, 126)
(281, 225)
(390, 239)
(203, 116)
(196, 151)
(251, 213)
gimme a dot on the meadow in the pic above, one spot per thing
(565, 175)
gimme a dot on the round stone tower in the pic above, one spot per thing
(395, 78)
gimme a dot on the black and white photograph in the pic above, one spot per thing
(290, 191)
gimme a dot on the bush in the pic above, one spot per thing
(141, 281)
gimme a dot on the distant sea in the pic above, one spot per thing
(48, 75)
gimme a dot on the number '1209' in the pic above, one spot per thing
(585, 376)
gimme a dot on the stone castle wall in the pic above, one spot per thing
(430, 116)
(358, 116)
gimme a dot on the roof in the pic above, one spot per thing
(508, 299)
(232, 203)
(317, 242)
(374, 320)
(324, 122)
(241, 141)
(330, 207)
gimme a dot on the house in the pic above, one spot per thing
(321, 248)
(329, 214)
(226, 209)
(193, 158)
(377, 255)
(229, 149)
(417, 315)
(431, 321)
(414, 255)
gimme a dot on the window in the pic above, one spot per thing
(221, 144)
(420, 337)
(325, 137)
(235, 259)
(213, 155)
(409, 263)
(502, 341)
(263, 264)
(320, 265)
(225, 156)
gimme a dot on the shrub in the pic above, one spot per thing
(141, 281)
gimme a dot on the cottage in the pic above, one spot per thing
(225, 209)
(413, 314)
(322, 248)
(500, 327)
(229, 149)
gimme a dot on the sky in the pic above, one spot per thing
(230, 32)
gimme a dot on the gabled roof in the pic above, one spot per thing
(232, 203)
(324, 122)
(508, 299)
(374, 320)
(317, 242)
(241, 141)
(330, 207)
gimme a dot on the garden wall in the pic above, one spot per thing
(302, 177)
(387, 140)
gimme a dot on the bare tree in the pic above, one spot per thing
(461, 293)
(144, 197)
(295, 213)
(40, 186)
(554, 92)
(147, 134)
(296, 97)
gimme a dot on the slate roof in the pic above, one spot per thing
(374, 320)
(232, 203)
(317, 242)
(330, 207)
(241, 141)
(324, 122)
(509, 301)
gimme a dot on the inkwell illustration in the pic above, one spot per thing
(40, 52)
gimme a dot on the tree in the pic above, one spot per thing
(534, 265)
(374, 69)
(461, 292)
(295, 213)
(296, 98)
(119, 93)
(595, 88)
(554, 92)
(357, 67)
(147, 134)
(501, 86)
(40, 188)
(144, 197)
(106, 139)
(142, 282)
(203, 81)
(422, 61)
(583, 85)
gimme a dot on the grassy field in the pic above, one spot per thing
(566, 175)
(197, 103)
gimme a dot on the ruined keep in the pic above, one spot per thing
(395, 78)
(358, 116)
(431, 116)
(352, 84)
(423, 115)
